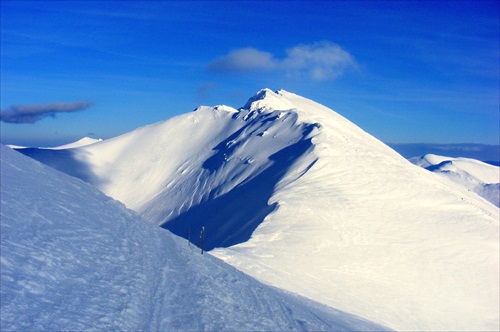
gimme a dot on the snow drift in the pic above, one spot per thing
(74, 259)
(299, 197)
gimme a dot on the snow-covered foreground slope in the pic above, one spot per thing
(476, 176)
(74, 259)
(296, 195)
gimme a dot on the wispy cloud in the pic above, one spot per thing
(36, 112)
(244, 59)
(318, 61)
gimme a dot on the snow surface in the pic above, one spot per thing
(475, 175)
(74, 259)
(13, 146)
(81, 142)
(366, 231)
(299, 197)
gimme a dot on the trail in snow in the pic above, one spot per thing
(74, 259)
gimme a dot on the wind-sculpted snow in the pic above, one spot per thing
(74, 259)
(231, 214)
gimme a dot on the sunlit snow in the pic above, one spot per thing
(476, 176)
(299, 197)
(74, 259)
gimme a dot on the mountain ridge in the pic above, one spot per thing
(74, 259)
(479, 177)
(341, 218)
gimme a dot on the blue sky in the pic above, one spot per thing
(406, 72)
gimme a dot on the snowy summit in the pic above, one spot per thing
(302, 199)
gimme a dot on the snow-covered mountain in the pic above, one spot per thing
(475, 175)
(301, 198)
(74, 259)
(81, 142)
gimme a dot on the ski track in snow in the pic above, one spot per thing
(74, 259)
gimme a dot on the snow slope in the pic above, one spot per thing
(475, 175)
(299, 197)
(81, 142)
(74, 259)
(366, 231)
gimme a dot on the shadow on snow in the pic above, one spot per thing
(231, 218)
(62, 160)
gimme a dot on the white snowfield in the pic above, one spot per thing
(74, 259)
(292, 193)
(476, 176)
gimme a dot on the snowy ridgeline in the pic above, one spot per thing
(74, 259)
(299, 197)
(475, 175)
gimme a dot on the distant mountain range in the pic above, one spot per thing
(472, 174)
(294, 194)
(483, 152)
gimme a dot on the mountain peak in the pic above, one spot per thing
(298, 196)
(81, 142)
(267, 100)
(215, 108)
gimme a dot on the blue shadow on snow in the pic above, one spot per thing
(231, 218)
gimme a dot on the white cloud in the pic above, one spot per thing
(244, 59)
(317, 61)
